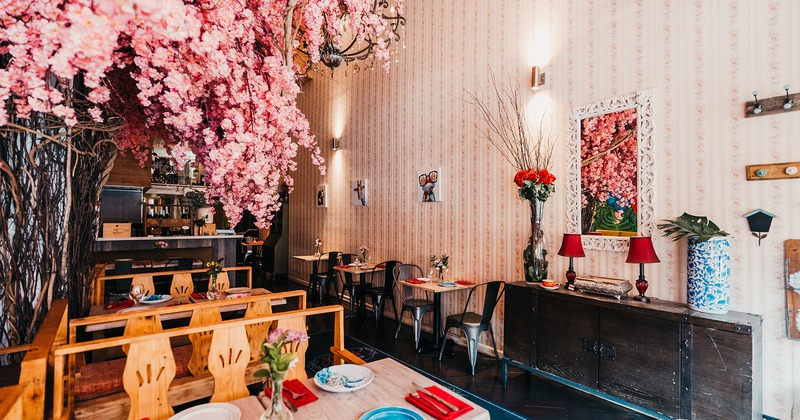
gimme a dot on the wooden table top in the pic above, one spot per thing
(389, 389)
(100, 310)
(364, 268)
(311, 258)
(433, 286)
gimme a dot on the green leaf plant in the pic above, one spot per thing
(697, 227)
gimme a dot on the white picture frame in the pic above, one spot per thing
(359, 192)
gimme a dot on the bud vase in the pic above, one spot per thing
(277, 410)
(535, 256)
(213, 292)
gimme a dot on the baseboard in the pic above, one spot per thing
(460, 340)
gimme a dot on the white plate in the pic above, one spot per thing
(343, 378)
(132, 309)
(549, 287)
(447, 284)
(425, 279)
(238, 290)
(393, 413)
(164, 298)
(216, 411)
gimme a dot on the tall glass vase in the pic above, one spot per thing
(277, 410)
(535, 256)
(213, 292)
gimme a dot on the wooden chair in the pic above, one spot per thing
(182, 284)
(223, 283)
(230, 363)
(11, 399)
(36, 369)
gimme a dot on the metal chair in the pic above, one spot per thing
(380, 294)
(417, 307)
(321, 280)
(473, 324)
(347, 283)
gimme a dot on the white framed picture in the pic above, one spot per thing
(358, 192)
(322, 196)
(430, 186)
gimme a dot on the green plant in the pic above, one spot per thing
(687, 225)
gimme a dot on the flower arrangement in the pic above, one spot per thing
(317, 247)
(214, 267)
(440, 264)
(160, 245)
(363, 250)
(535, 185)
(279, 356)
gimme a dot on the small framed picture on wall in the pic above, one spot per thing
(322, 196)
(430, 186)
(358, 192)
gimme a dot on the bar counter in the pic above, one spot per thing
(204, 247)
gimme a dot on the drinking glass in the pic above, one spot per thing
(137, 292)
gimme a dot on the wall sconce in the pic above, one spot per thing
(336, 143)
(641, 252)
(759, 221)
(537, 78)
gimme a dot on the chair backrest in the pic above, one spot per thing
(333, 261)
(182, 284)
(347, 259)
(493, 293)
(407, 272)
(388, 275)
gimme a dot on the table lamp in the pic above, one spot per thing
(571, 247)
(641, 252)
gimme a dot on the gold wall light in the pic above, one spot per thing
(336, 143)
(537, 78)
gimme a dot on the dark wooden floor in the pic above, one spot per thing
(528, 395)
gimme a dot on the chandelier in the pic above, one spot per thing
(352, 49)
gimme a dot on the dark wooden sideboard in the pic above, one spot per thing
(660, 356)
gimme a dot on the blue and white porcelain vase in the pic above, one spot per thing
(709, 271)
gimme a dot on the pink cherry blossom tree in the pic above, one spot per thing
(212, 76)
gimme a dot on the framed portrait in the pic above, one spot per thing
(322, 196)
(358, 192)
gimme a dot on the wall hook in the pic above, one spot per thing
(758, 108)
(787, 103)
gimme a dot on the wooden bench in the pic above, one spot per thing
(36, 369)
(180, 278)
(228, 350)
(11, 402)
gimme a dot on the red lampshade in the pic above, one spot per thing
(641, 251)
(571, 246)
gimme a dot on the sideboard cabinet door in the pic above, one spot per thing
(640, 360)
(567, 340)
(519, 325)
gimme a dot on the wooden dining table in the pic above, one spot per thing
(433, 286)
(392, 383)
(359, 271)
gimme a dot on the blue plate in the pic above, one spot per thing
(447, 284)
(391, 413)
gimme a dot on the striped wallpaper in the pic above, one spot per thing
(703, 58)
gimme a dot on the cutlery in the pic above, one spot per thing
(436, 397)
(295, 396)
(289, 404)
(429, 403)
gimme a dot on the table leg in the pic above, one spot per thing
(362, 312)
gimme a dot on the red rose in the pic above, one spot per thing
(519, 178)
(546, 177)
(532, 176)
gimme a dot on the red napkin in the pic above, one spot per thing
(343, 266)
(294, 385)
(465, 282)
(199, 295)
(416, 281)
(381, 265)
(424, 403)
(120, 304)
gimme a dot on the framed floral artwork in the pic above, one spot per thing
(322, 196)
(358, 192)
(430, 186)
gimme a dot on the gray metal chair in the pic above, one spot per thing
(473, 324)
(417, 307)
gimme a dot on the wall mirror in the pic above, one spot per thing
(610, 171)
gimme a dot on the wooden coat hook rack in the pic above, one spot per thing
(767, 171)
(773, 105)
